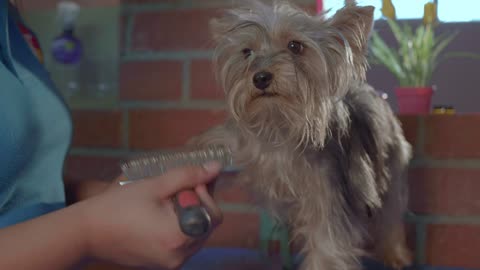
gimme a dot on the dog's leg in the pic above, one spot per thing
(218, 135)
(331, 240)
(393, 249)
(389, 230)
(326, 251)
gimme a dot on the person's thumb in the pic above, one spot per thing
(182, 178)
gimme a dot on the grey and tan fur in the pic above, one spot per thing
(320, 149)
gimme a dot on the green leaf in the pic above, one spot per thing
(383, 54)
(417, 54)
(397, 32)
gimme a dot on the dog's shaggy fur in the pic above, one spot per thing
(320, 148)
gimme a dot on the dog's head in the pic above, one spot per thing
(283, 70)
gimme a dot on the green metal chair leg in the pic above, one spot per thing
(271, 230)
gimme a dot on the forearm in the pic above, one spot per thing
(53, 241)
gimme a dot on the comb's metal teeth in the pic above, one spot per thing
(157, 164)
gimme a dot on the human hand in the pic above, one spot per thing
(135, 225)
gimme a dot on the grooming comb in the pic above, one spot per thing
(193, 218)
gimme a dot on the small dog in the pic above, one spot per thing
(323, 152)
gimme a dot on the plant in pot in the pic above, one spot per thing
(414, 61)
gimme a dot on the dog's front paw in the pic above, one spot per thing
(217, 136)
(195, 141)
(397, 257)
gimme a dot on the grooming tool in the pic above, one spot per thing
(193, 218)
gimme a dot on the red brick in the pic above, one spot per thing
(454, 136)
(453, 246)
(445, 191)
(97, 128)
(157, 80)
(173, 30)
(410, 230)
(153, 31)
(91, 168)
(154, 129)
(203, 83)
(238, 230)
(410, 128)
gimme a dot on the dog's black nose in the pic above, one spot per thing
(262, 79)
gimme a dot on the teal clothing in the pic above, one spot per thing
(35, 130)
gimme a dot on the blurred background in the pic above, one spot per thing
(144, 82)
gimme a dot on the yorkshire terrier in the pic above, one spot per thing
(319, 147)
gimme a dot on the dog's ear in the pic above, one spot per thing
(218, 28)
(355, 23)
(231, 18)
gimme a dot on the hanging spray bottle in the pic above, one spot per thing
(67, 48)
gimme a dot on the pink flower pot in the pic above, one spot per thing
(414, 100)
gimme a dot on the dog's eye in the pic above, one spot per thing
(247, 52)
(295, 47)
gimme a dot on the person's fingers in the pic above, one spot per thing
(211, 187)
(184, 178)
(119, 178)
(194, 247)
(178, 240)
(188, 243)
(209, 203)
(115, 183)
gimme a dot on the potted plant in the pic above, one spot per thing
(415, 59)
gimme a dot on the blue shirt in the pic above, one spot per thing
(35, 130)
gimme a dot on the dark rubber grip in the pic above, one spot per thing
(193, 218)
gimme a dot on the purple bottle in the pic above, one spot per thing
(66, 48)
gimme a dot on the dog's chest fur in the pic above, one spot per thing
(348, 172)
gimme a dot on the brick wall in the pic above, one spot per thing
(444, 183)
(167, 94)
